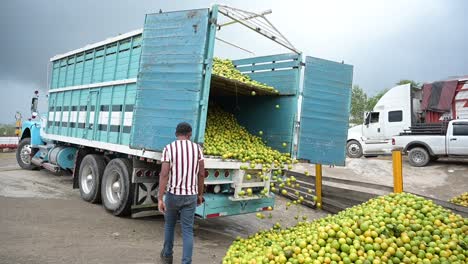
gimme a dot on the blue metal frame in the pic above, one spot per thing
(221, 204)
(203, 112)
(34, 128)
(173, 80)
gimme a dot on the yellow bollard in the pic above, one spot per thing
(18, 124)
(318, 184)
(397, 171)
(18, 128)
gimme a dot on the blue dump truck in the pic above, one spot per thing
(114, 105)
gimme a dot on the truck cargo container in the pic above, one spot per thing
(114, 105)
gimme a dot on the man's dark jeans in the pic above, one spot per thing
(185, 205)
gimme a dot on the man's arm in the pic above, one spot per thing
(163, 179)
(201, 180)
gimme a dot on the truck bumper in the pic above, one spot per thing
(217, 205)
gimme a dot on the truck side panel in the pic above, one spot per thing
(282, 72)
(436, 143)
(171, 77)
(102, 114)
(325, 111)
(114, 61)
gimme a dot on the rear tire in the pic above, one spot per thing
(91, 170)
(354, 149)
(116, 187)
(418, 157)
(23, 154)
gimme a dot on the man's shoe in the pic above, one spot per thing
(164, 259)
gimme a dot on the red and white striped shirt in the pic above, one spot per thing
(183, 156)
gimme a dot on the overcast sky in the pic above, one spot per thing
(385, 40)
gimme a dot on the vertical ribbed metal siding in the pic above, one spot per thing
(259, 113)
(171, 76)
(280, 71)
(103, 114)
(325, 111)
(114, 61)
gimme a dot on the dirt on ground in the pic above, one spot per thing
(43, 220)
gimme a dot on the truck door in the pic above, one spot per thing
(174, 79)
(324, 115)
(372, 129)
(91, 110)
(457, 139)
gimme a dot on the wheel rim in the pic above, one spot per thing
(354, 149)
(114, 187)
(87, 179)
(25, 154)
(418, 157)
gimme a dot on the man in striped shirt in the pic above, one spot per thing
(182, 180)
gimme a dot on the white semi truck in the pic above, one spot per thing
(403, 107)
(390, 116)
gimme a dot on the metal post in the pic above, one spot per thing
(318, 184)
(397, 171)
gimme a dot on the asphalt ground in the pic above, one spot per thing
(44, 220)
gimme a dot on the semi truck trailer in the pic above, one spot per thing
(114, 105)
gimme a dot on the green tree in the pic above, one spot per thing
(358, 105)
(7, 130)
(372, 101)
(414, 84)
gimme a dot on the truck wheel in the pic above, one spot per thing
(354, 149)
(23, 154)
(91, 170)
(418, 157)
(116, 189)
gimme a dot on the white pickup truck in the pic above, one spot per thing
(427, 143)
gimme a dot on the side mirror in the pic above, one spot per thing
(34, 103)
(367, 118)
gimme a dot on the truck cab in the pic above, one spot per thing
(391, 115)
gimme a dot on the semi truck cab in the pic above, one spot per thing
(391, 115)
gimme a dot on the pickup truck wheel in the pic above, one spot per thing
(23, 154)
(116, 189)
(91, 170)
(418, 157)
(354, 149)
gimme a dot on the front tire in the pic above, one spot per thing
(354, 149)
(418, 157)
(116, 188)
(91, 170)
(23, 154)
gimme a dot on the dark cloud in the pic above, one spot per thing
(384, 40)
